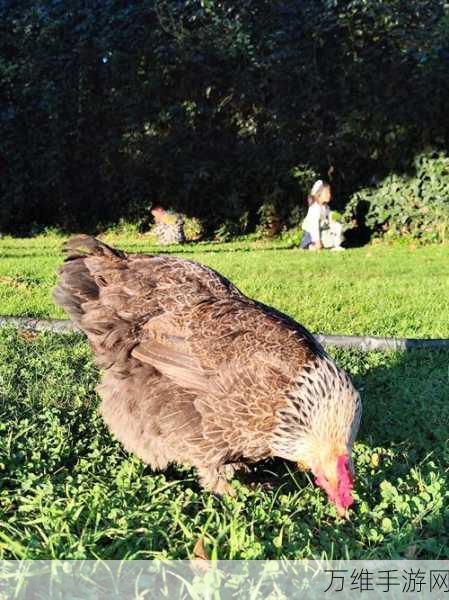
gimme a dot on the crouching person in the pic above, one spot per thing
(320, 230)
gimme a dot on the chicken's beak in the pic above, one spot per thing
(301, 466)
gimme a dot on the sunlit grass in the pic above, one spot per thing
(377, 290)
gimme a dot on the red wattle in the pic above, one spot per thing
(345, 482)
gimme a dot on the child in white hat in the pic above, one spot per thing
(320, 230)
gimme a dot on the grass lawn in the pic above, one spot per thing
(67, 490)
(376, 290)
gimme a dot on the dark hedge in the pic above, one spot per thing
(211, 108)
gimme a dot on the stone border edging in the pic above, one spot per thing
(365, 343)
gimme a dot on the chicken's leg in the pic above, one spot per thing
(216, 478)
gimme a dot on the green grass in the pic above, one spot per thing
(68, 490)
(379, 290)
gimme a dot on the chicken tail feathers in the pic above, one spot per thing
(80, 290)
(81, 246)
(76, 284)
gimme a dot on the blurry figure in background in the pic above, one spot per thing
(168, 226)
(320, 230)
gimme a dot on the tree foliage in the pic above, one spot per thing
(214, 108)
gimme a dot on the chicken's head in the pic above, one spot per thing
(318, 427)
(335, 477)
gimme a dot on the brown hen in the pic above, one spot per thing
(196, 373)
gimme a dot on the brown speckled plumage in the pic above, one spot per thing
(193, 371)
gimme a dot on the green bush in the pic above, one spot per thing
(336, 216)
(232, 228)
(416, 206)
(124, 228)
(269, 220)
(280, 212)
(293, 237)
(193, 229)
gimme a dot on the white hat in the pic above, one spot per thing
(316, 187)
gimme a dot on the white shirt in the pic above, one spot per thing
(317, 219)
